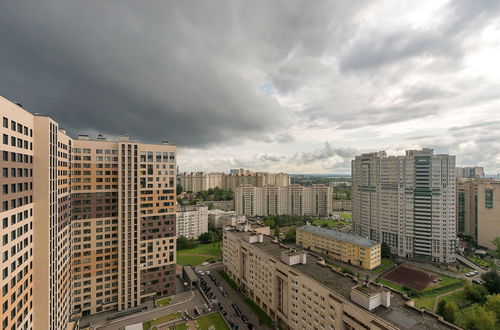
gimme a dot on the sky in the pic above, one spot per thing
(292, 86)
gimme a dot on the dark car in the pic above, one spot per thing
(244, 319)
(250, 326)
(236, 309)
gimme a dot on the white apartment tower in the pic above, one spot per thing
(407, 201)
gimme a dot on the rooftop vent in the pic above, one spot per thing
(100, 137)
(84, 137)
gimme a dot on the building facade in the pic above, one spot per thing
(196, 181)
(469, 172)
(315, 200)
(17, 214)
(351, 249)
(221, 219)
(192, 221)
(87, 226)
(299, 291)
(408, 202)
(123, 196)
(488, 213)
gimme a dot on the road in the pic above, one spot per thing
(195, 299)
(233, 297)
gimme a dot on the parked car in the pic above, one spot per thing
(478, 281)
(244, 319)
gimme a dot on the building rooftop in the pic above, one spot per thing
(329, 233)
(398, 314)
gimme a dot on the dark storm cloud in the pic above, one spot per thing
(154, 69)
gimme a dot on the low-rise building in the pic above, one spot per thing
(192, 221)
(351, 249)
(299, 291)
(224, 219)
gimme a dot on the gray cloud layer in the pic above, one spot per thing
(211, 73)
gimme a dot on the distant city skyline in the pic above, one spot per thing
(267, 85)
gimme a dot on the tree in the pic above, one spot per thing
(496, 242)
(385, 250)
(448, 310)
(476, 293)
(185, 243)
(493, 304)
(208, 237)
(290, 235)
(179, 189)
(492, 281)
(476, 317)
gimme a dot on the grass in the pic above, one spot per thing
(345, 215)
(228, 280)
(331, 223)
(481, 262)
(199, 254)
(213, 249)
(163, 302)
(162, 319)
(458, 297)
(214, 319)
(260, 313)
(384, 265)
(181, 326)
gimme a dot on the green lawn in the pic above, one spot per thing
(260, 313)
(384, 264)
(345, 215)
(162, 319)
(163, 302)
(481, 262)
(458, 297)
(214, 319)
(199, 254)
(181, 326)
(213, 249)
(331, 223)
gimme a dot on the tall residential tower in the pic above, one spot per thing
(408, 202)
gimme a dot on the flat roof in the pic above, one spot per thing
(398, 314)
(341, 236)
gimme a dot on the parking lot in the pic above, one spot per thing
(227, 297)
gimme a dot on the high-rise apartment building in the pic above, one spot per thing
(192, 221)
(469, 172)
(408, 202)
(87, 226)
(488, 213)
(196, 181)
(52, 224)
(17, 214)
(298, 290)
(294, 199)
(123, 196)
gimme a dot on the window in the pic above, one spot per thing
(5, 122)
(5, 139)
(488, 198)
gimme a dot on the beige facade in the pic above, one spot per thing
(299, 291)
(17, 215)
(223, 219)
(294, 199)
(408, 201)
(488, 213)
(52, 225)
(196, 181)
(469, 172)
(351, 249)
(192, 221)
(341, 205)
(123, 223)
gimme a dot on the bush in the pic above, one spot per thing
(347, 271)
